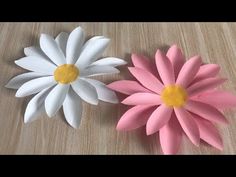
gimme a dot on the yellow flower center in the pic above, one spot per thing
(174, 96)
(66, 73)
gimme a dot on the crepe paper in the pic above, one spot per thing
(183, 101)
(59, 74)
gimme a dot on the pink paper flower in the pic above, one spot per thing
(174, 97)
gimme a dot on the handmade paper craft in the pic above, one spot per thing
(174, 97)
(60, 70)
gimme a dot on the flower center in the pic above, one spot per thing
(66, 73)
(174, 96)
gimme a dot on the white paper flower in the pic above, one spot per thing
(60, 70)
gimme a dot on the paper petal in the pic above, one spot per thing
(147, 79)
(188, 125)
(74, 45)
(164, 68)
(98, 70)
(205, 111)
(72, 108)
(110, 61)
(55, 99)
(218, 99)
(17, 81)
(158, 119)
(176, 58)
(36, 106)
(92, 51)
(86, 91)
(91, 41)
(61, 41)
(104, 93)
(206, 71)
(188, 71)
(35, 86)
(208, 132)
(51, 49)
(36, 64)
(144, 63)
(135, 117)
(143, 99)
(127, 87)
(171, 136)
(204, 85)
(35, 51)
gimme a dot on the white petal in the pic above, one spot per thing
(36, 64)
(92, 51)
(104, 93)
(17, 81)
(110, 61)
(35, 107)
(98, 70)
(86, 91)
(55, 99)
(72, 108)
(61, 41)
(91, 41)
(35, 51)
(74, 45)
(35, 86)
(51, 49)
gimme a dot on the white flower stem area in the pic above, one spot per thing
(59, 75)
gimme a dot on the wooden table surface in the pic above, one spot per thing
(215, 42)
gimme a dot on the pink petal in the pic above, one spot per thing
(171, 136)
(147, 79)
(144, 63)
(204, 85)
(208, 132)
(206, 111)
(158, 119)
(127, 87)
(218, 99)
(188, 124)
(188, 71)
(206, 71)
(143, 99)
(165, 68)
(135, 117)
(176, 58)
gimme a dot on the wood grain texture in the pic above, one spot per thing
(215, 42)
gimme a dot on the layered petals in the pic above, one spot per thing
(188, 125)
(72, 108)
(92, 51)
(171, 136)
(74, 45)
(158, 119)
(206, 111)
(165, 68)
(208, 132)
(127, 87)
(204, 85)
(206, 71)
(35, 85)
(188, 71)
(143, 99)
(36, 64)
(217, 98)
(176, 58)
(55, 99)
(135, 117)
(147, 79)
(51, 49)
(86, 91)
